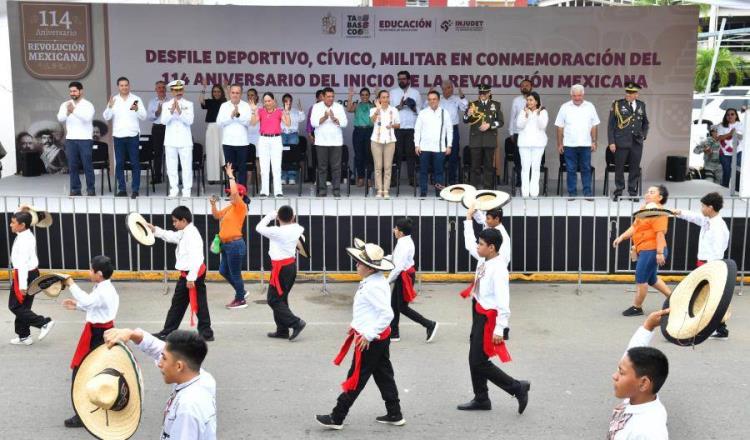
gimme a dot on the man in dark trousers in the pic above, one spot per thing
(485, 117)
(626, 132)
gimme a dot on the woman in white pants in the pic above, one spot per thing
(532, 139)
(213, 150)
(270, 147)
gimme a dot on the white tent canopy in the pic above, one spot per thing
(729, 4)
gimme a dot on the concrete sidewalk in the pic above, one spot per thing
(568, 346)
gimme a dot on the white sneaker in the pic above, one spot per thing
(173, 193)
(246, 294)
(185, 192)
(21, 341)
(292, 182)
(46, 328)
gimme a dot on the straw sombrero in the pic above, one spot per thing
(358, 243)
(39, 217)
(371, 255)
(455, 193)
(652, 210)
(107, 393)
(302, 247)
(485, 199)
(699, 303)
(51, 284)
(138, 229)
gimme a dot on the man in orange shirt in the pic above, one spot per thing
(648, 236)
(233, 247)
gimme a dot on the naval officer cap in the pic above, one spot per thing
(177, 84)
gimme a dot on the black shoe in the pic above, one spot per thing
(721, 333)
(432, 331)
(74, 194)
(522, 395)
(208, 337)
(633, 311)
(74, 422)
(160, 335)
(121, 194)
(336, 193)
(91, 193)
(322, 194)
(423, 195)
(297, 330)
(263, 196)
(278, 335)
(278, 196)
(134, 195)
(328, 422)
(391, 419)
(475, 405)
(616, 196)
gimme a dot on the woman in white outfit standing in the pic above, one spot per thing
(532, 140)
(270, 147)
(214, 155)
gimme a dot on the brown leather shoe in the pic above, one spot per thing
(360, 181)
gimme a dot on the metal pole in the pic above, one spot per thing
(711, 72)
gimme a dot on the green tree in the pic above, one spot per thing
(726, 65)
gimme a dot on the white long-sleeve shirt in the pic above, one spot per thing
(295, 118)
(454, 105)
(372, 312)
(153, 106)
(23, 257)
(190, 412)
(328, 134)
(647, 421)
(491, 281)
(532, 129)
(283, 239)
(481, 218)
(428, 135)
(124, 120)
(100, 305)
(234, 130)
(516, 107)
(189, 252)
(78, 124)
(177, 132)
(403, 257)
(714, 236)
(407, 117)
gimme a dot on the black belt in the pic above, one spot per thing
(363, 126)
(270, 135)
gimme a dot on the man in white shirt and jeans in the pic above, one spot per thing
(455, 106)
(433, 133)
(78, 114)
(576, 124)
(328, 118)
(234, 119)
(125, 110)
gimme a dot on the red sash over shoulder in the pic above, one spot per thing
(351, 382)
(276, 266)
(84, 342)
(193, 294)
(491, 349)
(407, 285)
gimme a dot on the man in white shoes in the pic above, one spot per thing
(24, 261)
(177, 116)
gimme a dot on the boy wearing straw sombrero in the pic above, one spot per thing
(25, 262)
(101, 307)
(370, 332)
(640, 375)
(489, 324)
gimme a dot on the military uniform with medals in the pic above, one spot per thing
(627, 130)
(482, 144)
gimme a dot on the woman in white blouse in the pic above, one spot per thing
(532, 139)
(383, 141)
(730, 135)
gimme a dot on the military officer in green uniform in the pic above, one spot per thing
(626, 131)
(484, 118)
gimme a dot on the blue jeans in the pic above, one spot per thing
(230, 267)
(79, 154)
(453, 159)
(127, 146)
(578, 159)
(237, 156)
(427, 158)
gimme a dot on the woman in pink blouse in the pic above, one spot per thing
(270, 147)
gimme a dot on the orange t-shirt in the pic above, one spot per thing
(232, 220)
(644, 235)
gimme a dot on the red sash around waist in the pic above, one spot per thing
(351, 382)
(467, 291)
(276, 266)
(84, 342)
(491, 349)
(17, 290)
(193, 294)
(407, 285)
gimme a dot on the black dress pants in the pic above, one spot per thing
(631, 156)
(25, 317)
(282, 314)
(180, 303)
(481, 167)
(482, 369)
(400, 306)
(405, 151)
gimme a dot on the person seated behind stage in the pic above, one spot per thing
(492, 219)
(650, 244)
(640, 375)
(711, 149)
(191, 409)
(101, 307)
(191, 287)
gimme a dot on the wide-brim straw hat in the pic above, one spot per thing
(699, 304)
(107, 393)
(652, 210)
(40, 218)
(358, 243)
(51, 284)
(302, 247)
(455, 193)
(137, 225)
(485, 199)
(371, 255)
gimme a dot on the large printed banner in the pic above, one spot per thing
(298, 50)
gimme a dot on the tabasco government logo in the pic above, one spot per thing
(328, 24)
(358, 26)
(56, 39)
